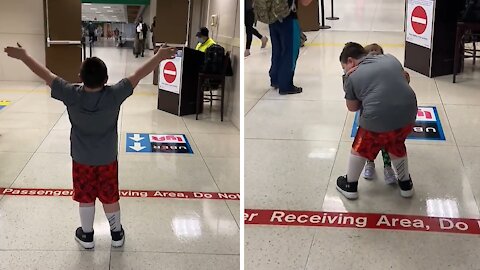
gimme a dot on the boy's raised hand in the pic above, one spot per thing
(16, 52)
(166, 52)
(163, 53)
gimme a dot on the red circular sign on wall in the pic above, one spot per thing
(170, 72)
(419, 20)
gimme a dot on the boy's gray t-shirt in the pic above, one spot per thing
(94, 117)
(388, 101)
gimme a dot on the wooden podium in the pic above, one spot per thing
(308, 16)
(430, 36)
(178, 82)
(177, 78)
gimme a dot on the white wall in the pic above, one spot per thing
(21, 21)
(227, 34)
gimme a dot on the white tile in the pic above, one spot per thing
(175, 261)
(153, 122)
(17, 120)
(186, 226)
(465, 123)
(46, 170)
(209, 125)
(21, 140)
(57, 141)
(165, 172)
(470, 158)
(225, 172)
(393, 250)
(300, 120)
(11, 164)
(277, 248)
(285, 174)
(58, 233)
(38, 103)
(54, 260)
(218, 145)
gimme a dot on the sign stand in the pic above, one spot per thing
(332, 17)
(430, 27)
(177, 82)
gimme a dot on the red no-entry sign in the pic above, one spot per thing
(419, 20)
(170, 72)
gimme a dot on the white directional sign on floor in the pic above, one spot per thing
(158, 143)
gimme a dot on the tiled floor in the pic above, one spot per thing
(296, 146)
(160, 233)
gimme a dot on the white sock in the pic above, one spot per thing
(401, 167)
(87, 215)
(114, 220)
(355, 167)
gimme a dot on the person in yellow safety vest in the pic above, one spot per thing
(204, 42)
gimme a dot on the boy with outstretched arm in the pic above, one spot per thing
(93, 109)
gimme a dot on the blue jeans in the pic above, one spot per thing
(285, 38)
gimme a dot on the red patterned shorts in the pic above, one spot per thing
(91, 182)
(368, 143)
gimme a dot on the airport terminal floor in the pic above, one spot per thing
(179, 211)
(297, 145)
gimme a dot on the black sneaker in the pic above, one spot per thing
(118, 238)
(349, 190)
(84, 239)
(406, 188)
(295, 90)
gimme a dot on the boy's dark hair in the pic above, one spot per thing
(93, 72)
(353, 50)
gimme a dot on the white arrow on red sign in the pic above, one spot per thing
(170, 72)
(419, 20)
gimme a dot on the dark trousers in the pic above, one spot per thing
(285, 38)
(249, 22)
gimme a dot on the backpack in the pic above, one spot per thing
(270, 11)
(214, 60)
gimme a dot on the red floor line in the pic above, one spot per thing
(361, 221)
(160, 194)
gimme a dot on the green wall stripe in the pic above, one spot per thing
(121, 2)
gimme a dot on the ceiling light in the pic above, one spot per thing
(109, 10)
(87, 4)
(107, 7)
(93, 8)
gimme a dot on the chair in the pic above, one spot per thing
(209, 83)
(467, 32)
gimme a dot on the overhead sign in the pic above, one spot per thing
(420, 22)
(170, 75)
(158, 143)
(427, 125)
(4, 103)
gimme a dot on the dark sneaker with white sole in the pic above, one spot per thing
(295, 90)
(118, 238)
(84, 239)
(406, 188)
(349, 190)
